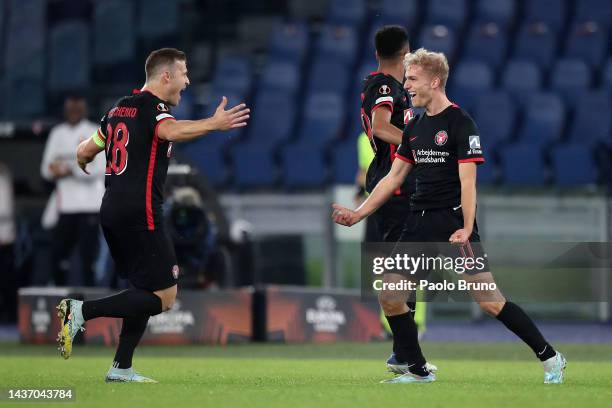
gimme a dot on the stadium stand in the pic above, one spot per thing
(533, 73)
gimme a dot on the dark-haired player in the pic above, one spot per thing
(137, 136)
(443, 146)
(385, 109)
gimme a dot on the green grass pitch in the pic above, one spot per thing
(333, 375)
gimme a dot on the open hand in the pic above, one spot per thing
(235, 117)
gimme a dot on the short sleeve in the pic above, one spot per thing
(385, 93)
(162, 113)
(469, 149)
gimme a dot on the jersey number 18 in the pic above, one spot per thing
(116, 151)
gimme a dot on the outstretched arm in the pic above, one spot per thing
(184, 130)
(381, 193)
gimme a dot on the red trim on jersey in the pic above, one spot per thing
(472, 160)
(454, 105)
(382, 104)
(101, 135)
(377, 72)
(150, 171)
(402, 158)
(392, 149)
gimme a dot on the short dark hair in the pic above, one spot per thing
(163, 56)
(389, 40)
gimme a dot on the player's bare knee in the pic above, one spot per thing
(391, 303)
(491, 308)
(167, 296)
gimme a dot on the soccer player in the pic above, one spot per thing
(443, 147)
(385, 110)
(137, 135)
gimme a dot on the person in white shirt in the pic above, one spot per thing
(78, 195)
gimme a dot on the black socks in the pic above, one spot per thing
(517, 321)
(131, 332)
(406, 342)
(135, 303)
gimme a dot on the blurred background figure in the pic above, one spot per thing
(75, 203)
(8, 289)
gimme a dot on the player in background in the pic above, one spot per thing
(364, 158)
(443, 147)
(385, 110)
(137, 135)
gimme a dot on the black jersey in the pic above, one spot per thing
(384, 90)
(136, 162)
(436, 145)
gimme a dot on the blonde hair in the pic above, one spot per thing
(433, 62)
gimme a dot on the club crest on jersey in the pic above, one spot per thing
(384, 90)
(441, 138)
(175, 271)
(162, 107)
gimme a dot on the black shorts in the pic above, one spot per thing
(146, 258)
(391, 219)
(430, 231)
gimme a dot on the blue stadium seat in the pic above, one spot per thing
(326, 75)
(599, 11)
(404, 12)
(452, 13)
(501, 12)
(587, 41)
(208, 160)
(114, 34)
(322, 119)
(24, 98)
(233, 73)
(158, 18)
(522, 164)
(521, 78)
(592, 122)
(303, 166)
(536, 42)
(289, 41)
(607, 76)
(495, 114)
(571, 78)
(552, 12)
(345, 164)
(574, 164)
(254, 166)
(469, 81)
(354, 102)
(439, 38)
(487, 43)
(281, 75)
(544, 119)
(25, 36)
(338, 43)
(350, 12)
(272, 119)
(69, 59)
